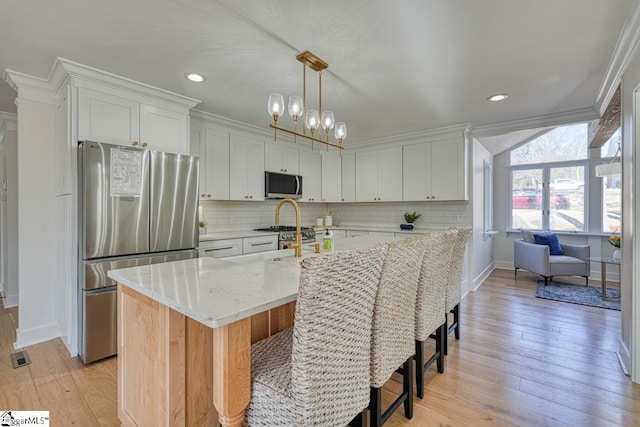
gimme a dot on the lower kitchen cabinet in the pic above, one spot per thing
(238, 246)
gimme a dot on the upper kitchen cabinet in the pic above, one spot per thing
(116, 118)
(331, 178)
(379, 175)
(311, 171)
(280, 158)
(435, 171)
(212, 146)
(246, 168)
(349, 177)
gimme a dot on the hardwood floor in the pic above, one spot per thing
(520, 361)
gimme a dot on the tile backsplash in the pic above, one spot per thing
(236, 215)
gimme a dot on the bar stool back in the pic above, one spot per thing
(317, 372)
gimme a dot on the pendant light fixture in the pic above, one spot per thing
(314, 121)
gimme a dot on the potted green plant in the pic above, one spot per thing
(203, 226)
(409, 218)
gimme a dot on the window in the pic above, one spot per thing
(548, 180)
(611, 186)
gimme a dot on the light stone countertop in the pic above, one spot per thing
(379, 229)
(216, 292)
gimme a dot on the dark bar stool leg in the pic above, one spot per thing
(375, 407)
(407, 387)
(456, 319)
(420, 369)
(441, 332)
(358, 421)
(446, 334)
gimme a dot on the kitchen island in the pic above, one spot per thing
(185, 330)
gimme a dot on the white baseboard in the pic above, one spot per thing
(503, 265)
(611, 276)
(624, 357)
(10, 301)
(25, 338)
(480, 278)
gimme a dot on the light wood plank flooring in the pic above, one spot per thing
(521, 361)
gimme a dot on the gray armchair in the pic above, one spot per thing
(536, 259)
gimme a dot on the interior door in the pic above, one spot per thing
(174, 202)
(114, 193)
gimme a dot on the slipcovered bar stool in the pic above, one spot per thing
(316, 373)
(430, 302)
(392, 334)
(454, 286)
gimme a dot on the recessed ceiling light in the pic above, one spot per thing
(195, 77)
(498, 97)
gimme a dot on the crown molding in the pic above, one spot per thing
(437, 134)
(623, 53)
(576, 116)
(63, 67)
(32, 89)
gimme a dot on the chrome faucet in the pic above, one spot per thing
(298, 243)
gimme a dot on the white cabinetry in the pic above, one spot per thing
(379, 175)
(311, 171)
(116, 119)
(252, 245)
(279, 158)
(238, 246)
(434, 171)
(212, 146)
(331, 178)
(349, 177)
(246, 168)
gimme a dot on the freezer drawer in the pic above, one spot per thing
(100, 331)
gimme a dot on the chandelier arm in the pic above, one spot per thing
(289, 131)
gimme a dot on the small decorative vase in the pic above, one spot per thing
(406, 226)
(203, 230)
(617, 254)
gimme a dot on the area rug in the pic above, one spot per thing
(578, 294)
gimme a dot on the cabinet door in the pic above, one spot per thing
(447, 170)
(367, 176)
(216, 164)
(311, 171)
(246, 168)
(196, 148)
(348, 177)
(163, 130)
(390, 174)
(107, 118)
(416, 172)
(279, 158)
(63, 148)
(331, 178)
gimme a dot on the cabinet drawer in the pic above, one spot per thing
(259, 244)
(354, 233)
(221, 248)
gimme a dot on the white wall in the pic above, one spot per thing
(37, 247)
(481, 254)
(10, 220)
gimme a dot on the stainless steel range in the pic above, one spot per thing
(287, 234)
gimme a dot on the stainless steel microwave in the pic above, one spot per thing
(282, 186)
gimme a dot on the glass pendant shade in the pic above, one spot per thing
(312, 120)
(275, 105)
(295, 106)
(327, 120)
(340, 131)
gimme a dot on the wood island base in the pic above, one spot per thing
(175, 371)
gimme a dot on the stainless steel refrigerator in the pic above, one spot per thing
(137, 207)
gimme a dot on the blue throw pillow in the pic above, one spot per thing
(550, 240)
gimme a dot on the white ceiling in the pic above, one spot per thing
(394, 67)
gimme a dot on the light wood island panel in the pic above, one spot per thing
(175, 371)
